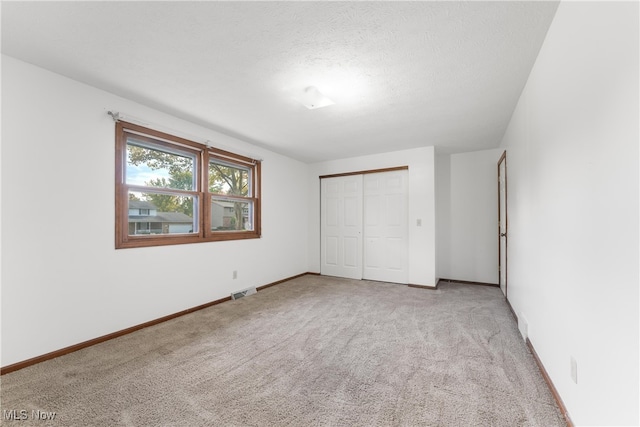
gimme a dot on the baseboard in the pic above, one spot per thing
(552, 388)
(467, 282)
(259, 288)
(63, 351)
(431, 288)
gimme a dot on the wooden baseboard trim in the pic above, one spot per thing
(103, 338)
(259, 288)
(63, 351)
(467, 282)
(552, 388)
(431, 288)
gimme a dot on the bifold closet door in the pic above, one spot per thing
(385, 227)
(363, 231)
(341, 226)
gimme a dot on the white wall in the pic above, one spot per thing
(466, 185)
(443, 212)
(572, 154)
(62, 286)
(422, 256)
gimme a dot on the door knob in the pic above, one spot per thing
(503, 234)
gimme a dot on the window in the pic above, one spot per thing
(171, 190)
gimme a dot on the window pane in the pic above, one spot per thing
(153, 213)
(231, 180)
(154, 167)
(231, 215)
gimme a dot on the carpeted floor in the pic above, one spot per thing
(314, 351)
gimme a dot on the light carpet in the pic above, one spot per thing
(313, 351)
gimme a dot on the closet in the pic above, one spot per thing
(364, 223)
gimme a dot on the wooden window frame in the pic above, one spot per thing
(201, 194)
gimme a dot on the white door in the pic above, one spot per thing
(502, 223)
(341, 226)
(385, 227)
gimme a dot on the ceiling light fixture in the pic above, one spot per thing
(312, 98)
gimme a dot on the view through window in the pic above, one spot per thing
(173, 191)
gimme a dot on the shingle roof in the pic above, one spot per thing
(175, 217)
(172, 217)
(140, 204)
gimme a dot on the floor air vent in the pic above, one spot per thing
(243, 293)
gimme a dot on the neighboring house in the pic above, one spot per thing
(223, 215)
(144, 218)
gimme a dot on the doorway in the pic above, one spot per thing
(502, 223)
(364, 226)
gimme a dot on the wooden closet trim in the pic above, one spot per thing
(335, 175)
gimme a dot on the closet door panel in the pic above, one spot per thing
(385, 228)
(341, 227)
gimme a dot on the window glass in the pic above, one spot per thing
(227, 179)
(158, 213)
(231, 215)
(158, 168)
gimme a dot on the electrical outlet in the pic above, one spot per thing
(574, 370)
(419, 222)
(235, 274)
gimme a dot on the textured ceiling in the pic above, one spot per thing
(402, 74)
